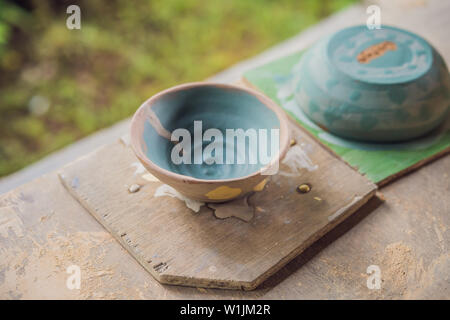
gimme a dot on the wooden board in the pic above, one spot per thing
(381, 163)
(179, 246)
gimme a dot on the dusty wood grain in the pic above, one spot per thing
(178, 246)
(54, 231)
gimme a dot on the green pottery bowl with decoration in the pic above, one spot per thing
(184, 136)
(376, 85)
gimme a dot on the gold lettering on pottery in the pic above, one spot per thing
(375, 51)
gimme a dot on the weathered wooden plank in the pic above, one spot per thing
(178, 246)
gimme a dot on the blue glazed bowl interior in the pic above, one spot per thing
(217, 107)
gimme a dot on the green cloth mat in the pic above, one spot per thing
(377, 161)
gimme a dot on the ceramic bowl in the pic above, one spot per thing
(379, 85)
(215, 106)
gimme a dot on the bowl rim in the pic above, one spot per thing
(267, 102)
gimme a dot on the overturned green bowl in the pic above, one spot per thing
(381, 85)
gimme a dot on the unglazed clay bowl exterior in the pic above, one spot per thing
(379, 85)
(217, 106)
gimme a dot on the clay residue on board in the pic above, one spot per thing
(139, 168)
(344, 209)
(238, 208)
(157, 125)
(134, 188)
(295, 160)
(125, 139)
(150, 177)
(166, 190)
(10, 221)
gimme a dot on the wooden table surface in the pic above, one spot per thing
(43, 231)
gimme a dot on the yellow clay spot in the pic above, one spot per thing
(292, 142)
(223, 192)
(260, 185)
(150, 177)
(304, 188)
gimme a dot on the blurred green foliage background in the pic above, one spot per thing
(58, 85)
